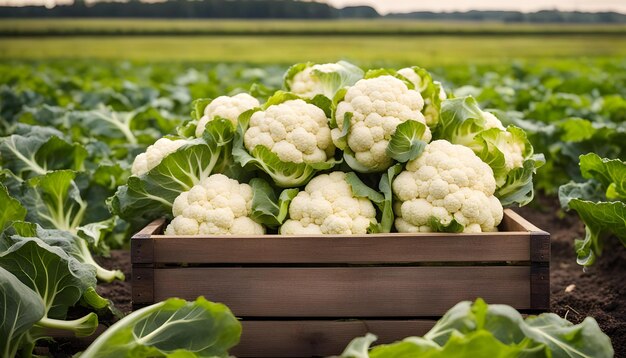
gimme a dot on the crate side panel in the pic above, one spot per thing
(142, 285)
(346, 292)
(500, 247)
(319, 338)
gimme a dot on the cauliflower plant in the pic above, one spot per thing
(153, 155)
(374, 108)
(294, 130)
(217, 205)
(447, 188)
(506, 149)
(308, 80)
(432, 92)
(328, 205)
(226, 107)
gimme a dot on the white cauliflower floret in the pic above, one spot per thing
(492, 121)
(328, 206)
(226, 107)
(217, 205)
(154, 154)
(308, 86)
(294, 130)
(378, 105)
(446, 182)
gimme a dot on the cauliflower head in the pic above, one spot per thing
(446, 186)
(307, 85)
(154, 154)
(217, 205)
(226, 107)
(506, 141)
(328, 206)
(296, 131)
(308, 80)
(376, 106)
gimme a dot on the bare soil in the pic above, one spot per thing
(598, 292)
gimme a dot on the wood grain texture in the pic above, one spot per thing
(513, 221)
(346, 249)
(390, 248)
(143, 285)
(346, 292)
(155, 227)
(318, 338)
(540, 287)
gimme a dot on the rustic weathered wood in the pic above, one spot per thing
(513, 221)
(539, 246)
(153, 228)
(381, 248)
(290, 291)
(347, 291)
(142, 249)
(319, 338)
(540, 286)
(390, 248)
(143, 285)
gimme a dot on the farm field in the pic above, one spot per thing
(80, 100)
(122, 27)
(427, 50)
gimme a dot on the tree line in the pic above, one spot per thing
(285, 9)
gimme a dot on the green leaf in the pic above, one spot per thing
(38, 151)
(21, 308)
(292, 71)
(576, 130)
(518, 186)
(589, 191)
(386, 222)
(602, 219)
(10, 209)
(610, 172)
(407, 142)
(266, 208)
(54, 202)
(58, 279)
(360, 190)
(197, 108)
(565, 339)
(280, 97)
(78, 248)
(359, 347)
(453, 226)
(174, 326)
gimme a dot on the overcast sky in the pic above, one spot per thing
(386, 6)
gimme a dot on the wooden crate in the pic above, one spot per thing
(309, 296)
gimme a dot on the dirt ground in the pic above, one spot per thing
(598, 292)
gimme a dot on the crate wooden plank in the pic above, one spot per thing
(319, 338)
(346, 291)
(513, 221)
(143, 282)
(375, 249)
(381, 248)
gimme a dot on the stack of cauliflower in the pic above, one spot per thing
(428, 161)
